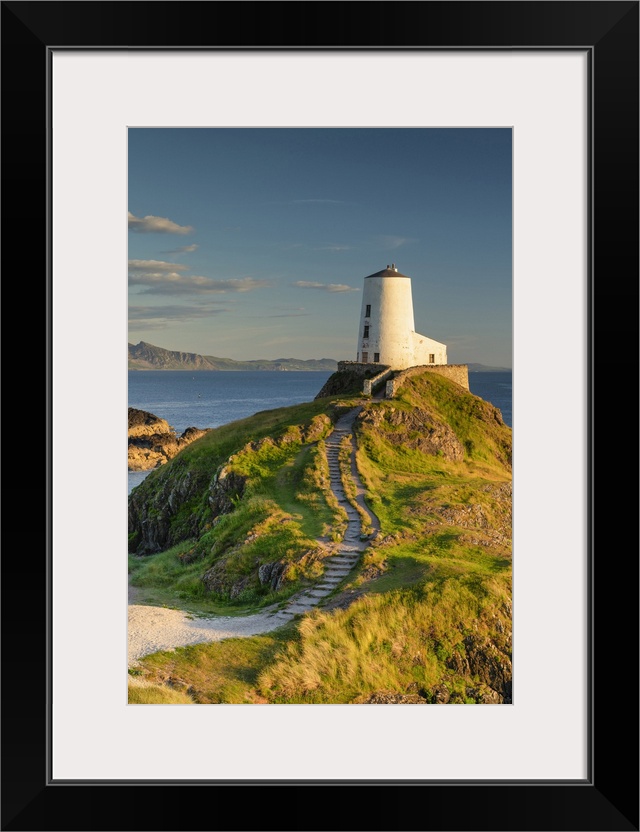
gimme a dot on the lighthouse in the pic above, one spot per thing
(387, 331)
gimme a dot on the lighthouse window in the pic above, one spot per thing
(432, 358)
(366, 332)
(367, 312)
(376, 357)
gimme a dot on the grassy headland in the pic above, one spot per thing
(425, 616)
(206, 527)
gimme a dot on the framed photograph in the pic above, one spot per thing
(563, 79)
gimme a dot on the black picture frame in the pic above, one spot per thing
(608, 798)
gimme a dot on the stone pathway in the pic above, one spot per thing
(338, 566)
(154, 628)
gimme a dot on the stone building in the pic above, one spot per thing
(387, 331)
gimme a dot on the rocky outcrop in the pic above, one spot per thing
(224, 489)
(344, 382)
(271, 574)
(166, 510)
(156, 518)
(484, 660)
(179, 507)
(152, 441)
(143, 423)
(418, 429)
(383, 698)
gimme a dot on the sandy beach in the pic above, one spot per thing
(157, 628)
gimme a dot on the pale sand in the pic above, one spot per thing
(156, 628)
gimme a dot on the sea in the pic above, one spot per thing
(210, 398)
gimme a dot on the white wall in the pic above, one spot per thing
(424, 347)
(390, 323)
(391, 326)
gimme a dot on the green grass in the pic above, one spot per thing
(286, 505)
(165, 580)
(433, 591)
(295, 476)
(225, 671)
(265, 533)
(388, 643)
(477, 423)
(191, 471)
(141, 692)
(399, 641)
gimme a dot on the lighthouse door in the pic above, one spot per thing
(365, 357)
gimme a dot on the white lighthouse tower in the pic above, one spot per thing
(387, 331)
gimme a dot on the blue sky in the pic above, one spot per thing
(254, 243)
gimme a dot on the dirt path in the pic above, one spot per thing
(157, 628)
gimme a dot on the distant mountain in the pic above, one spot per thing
(145, 356)
(483, 368)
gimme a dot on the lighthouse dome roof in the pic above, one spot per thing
(390, 271)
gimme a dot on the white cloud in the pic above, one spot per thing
(159, 317)
(325, 287)
(165, 279)
(155, 267)
(151, 224)
(182, 249)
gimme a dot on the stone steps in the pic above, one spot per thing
(319, 593)
(300, 609)
(339, 565)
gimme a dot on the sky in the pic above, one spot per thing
(254, 242)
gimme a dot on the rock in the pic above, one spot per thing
(272, 574)
(373, 570)
(488, 663)
(440, 695)
(343, 382)
(225, 487)
(152, 441)
(143, 423)
(484, 695)
(459, 663)
(144, 459)
(417, 429)
(215, 578)
(317, 428)
(384, 698)
(156, 521)
(238, 587)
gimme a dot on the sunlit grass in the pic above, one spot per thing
(432, 593)
(142, 692)
(386, 642)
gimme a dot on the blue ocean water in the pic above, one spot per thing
(208, 399)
